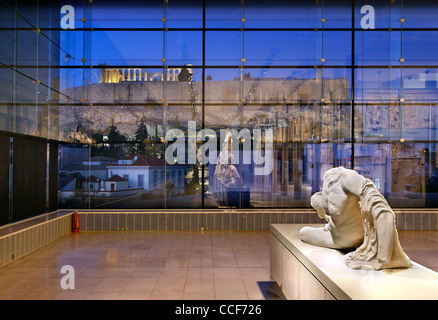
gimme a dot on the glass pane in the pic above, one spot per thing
(127, 14)
(223, 14)
(373, 161)
(223, 47)
(184, 48)
(184, 14)
(290, 48)
(420, 85)
(279, 85)
(378, 85)
(6, 99)
(420, 48)
(419, 122)
(222, 86)
(6, 72)
(420, 14)
(281, 14)
(335, 48)
(337, 14)
(405, 173)
(378, 48)
(122, 48)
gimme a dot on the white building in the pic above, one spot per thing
(94, 165)
(116, 183)
(149, 173)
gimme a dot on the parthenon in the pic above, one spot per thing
(117, 75)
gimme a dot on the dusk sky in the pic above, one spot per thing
(110, 44)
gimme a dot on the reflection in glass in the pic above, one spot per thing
(404, 172)
(110, 90)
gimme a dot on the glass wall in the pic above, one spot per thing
(140, 95)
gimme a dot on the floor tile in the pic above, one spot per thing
(129, 295)
(165, 284)
(147, 272)
(140, 284)
(102, 296)
(120, 272)
(233, 295)
(110, 285)
(226, 272)
(199, 295)
(199, 285)
(174, 272)
(157, 295)
(200, 272)
(92, 272)
(229, 284)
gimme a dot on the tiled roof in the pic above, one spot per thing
(116, 178)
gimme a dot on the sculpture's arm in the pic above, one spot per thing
(316, 203)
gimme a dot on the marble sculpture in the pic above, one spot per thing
(358, 217)
(226, 172)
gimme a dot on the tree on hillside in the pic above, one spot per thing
(141, 134)
(116, 150)
(176, 123)
(114, 134)
(142, 131)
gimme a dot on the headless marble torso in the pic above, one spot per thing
(344, 228)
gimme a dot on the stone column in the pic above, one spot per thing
(111, 76)
(107, 75)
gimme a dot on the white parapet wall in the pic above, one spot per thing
(17, 244)
(308, 272)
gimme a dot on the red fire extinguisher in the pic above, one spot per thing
(76, 221)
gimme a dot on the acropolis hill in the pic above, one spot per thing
(300, 109)
(273, 102)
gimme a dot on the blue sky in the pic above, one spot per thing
(264, 48)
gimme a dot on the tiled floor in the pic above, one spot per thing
(150, 265)
(421, 247)
(162, 265)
